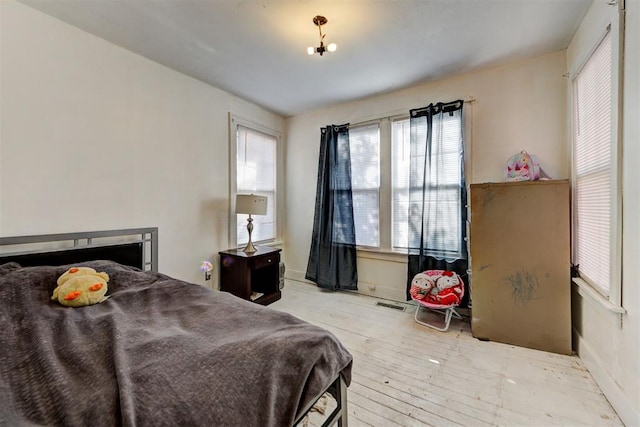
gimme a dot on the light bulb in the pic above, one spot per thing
(311, 50)
(332, 47)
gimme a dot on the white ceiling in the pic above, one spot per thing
(256, 49)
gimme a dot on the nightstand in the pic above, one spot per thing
(254, 277)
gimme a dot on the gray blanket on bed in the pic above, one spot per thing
(158, 352)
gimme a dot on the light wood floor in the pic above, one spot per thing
(409, 375)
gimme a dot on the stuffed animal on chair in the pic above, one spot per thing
(448, 289)
(80, 286)
(445, 291)
(421, 286)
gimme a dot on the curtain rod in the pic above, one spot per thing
(457, 104)
(469, 100)
(397, 115)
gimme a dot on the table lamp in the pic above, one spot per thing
(250, 204)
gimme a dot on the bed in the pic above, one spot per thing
(159, 351)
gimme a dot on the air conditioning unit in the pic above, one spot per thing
(281, 275)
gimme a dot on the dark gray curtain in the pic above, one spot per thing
(332, 258)
(437, 192)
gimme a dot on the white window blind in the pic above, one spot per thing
(442, 201)
(364, 147)
(256, 174)
(400, 165)
(592, 89)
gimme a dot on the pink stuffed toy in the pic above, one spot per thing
(437, 287)
(421, 286)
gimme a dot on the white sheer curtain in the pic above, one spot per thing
(436, 182)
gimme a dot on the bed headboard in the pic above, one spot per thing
(136, 247)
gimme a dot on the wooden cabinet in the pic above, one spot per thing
(254, 277)
(520, 264)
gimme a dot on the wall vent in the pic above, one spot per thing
(394, 306)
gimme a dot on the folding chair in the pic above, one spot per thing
(440, 291)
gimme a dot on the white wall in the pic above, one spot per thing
(607, 342)
(95, 137)
(518, 106)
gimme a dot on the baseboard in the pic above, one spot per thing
(624, 408)
(295, 275)
(363, 287)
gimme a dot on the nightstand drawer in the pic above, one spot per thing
(266, 261)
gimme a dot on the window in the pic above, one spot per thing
(254, 171)
(443, 197)
(380, 182)
(594, 173)
(400, 147)
(364, 147)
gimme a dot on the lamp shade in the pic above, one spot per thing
(251, 204)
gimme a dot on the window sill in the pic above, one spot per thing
(273, 243)
(382, 254)
(585, 290)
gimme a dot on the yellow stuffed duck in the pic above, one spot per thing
(80, 286)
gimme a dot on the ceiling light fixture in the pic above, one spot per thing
(331, 47)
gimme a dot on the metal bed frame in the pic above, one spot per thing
(338, 389)
(77, 246)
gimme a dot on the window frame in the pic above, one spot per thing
(431, 251)
(612, 299)
(385, 125)
(378, 190)
(235, 122)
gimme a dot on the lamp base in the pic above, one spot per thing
(249, 249)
